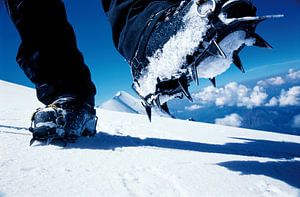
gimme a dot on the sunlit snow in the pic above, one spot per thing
(131, 157)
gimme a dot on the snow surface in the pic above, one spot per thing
(131, 157)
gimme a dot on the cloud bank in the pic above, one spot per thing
(193, 107)
(233, 120)
(271, 81)
(293, 74)
(296, 122)
(234, 94)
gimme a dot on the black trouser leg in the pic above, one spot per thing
(48, 53)
(130, 21)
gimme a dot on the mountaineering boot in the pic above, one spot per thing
(191, 40)
(66, 119)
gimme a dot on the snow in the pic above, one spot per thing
(131, 157)
(215, 65)
(167, 61)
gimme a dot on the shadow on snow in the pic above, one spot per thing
(13, 127)
(286, 171)
(18, 132)
(252, 147)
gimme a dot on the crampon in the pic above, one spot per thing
(223, 28)
(65, 120)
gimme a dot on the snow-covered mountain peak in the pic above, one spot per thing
(124, 102)
(123, 94)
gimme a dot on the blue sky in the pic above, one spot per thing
(111, 73)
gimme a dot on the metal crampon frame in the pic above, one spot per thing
(223, 21)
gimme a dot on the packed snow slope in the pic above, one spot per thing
(131, 157)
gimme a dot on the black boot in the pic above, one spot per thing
(197, 39)
(67, 118)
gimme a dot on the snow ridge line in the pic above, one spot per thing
(15, 133)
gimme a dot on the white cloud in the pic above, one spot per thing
(273, 102)
(193, 107)
(290, 97)
(276, 81)
(293, 74)
(232, 94)
(257, 97)
(296, 122)
(230, 120)
(272, 81)
(208, 95)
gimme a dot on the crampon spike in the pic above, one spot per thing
(213, 81)
(31, 141)
(215, 49)
(65, 143)
(195, 74)
(165, 108)
(260, 42)
(158, 80)
(255, 19)
(148, 110)
(49, 140)
(237, 61)
(185, 90)
(157, 101)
